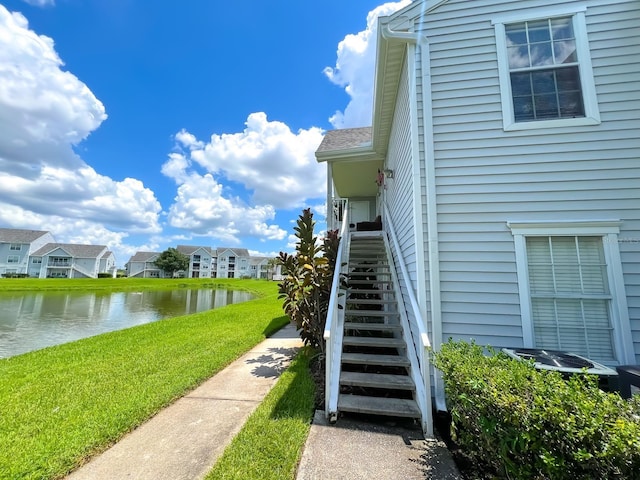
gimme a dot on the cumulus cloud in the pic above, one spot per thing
(275, 165)
(44, 112)
(267, 158)
(201, 208)
(354, 69)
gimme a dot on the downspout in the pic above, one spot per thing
(415, 38)
(330, 219)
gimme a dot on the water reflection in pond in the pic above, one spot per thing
(32, 321)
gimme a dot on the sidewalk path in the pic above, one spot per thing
(183, 441)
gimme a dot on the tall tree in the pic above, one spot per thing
(172, 261)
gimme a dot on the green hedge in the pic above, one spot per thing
(523, 423)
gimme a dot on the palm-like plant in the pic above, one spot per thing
(306, 287)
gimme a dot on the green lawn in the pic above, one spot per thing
(61, 405)
(270, 444)
(125, 284)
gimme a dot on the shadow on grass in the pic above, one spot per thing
(297, 399)
(275, 324)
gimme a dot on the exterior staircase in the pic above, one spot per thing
(374, 373)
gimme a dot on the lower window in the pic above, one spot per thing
(570, 295)
(572, 290)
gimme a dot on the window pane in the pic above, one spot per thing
(544, 82)
(546, 106)
(541, 54)
(562, 28)
(523, 109)
(516, 34)
(518, 57)
(539, 31)
(521, 84)
(565, 52)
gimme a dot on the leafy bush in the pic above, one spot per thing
(525, 423)
(15, 275)
(306, 288)
(105, 275)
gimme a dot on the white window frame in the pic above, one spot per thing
(13, 258)
(608, 230)
(15, 247)
(589, 98)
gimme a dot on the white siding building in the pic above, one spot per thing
(506, 143)
(66, 260)
(200, 261)
(16, 247)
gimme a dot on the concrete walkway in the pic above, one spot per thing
(357, 449)
(183, 441)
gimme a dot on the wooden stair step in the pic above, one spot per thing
(373, 342)
(379, 327)
(373, 359)
(353, 312)
(396, 407)
(377, 380)
(369, 301)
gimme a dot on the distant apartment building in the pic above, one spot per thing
(200, 261)
(68, 260)
(233, 262)
(16, 247)
(142, 265)
(36, 254)
(206, 262)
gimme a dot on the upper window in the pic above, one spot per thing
(15, 246)
(545, 71)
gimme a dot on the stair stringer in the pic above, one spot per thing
(422, 396)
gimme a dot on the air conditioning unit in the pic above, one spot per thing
(566, 363)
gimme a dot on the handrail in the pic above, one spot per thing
(419, 353)
(334, 324)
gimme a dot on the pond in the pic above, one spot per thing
(30, 321)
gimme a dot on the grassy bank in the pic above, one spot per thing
(60, 405)
(270, 444)
(126, 284)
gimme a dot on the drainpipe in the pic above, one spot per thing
(422, 42)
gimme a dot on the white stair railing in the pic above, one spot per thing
(334, 325)
(417, 345)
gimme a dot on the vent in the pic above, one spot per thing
(564, 362)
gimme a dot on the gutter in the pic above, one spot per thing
(420, 40)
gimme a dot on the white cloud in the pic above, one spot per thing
(275, 165)
(201, 208)
(44, 113)
(354, 69)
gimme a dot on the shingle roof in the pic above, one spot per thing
(74, 250)
(143, 256)
(238, 252)
(16, 235)
(189, 249)
(345, 139)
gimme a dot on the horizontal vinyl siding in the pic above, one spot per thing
(486, 176)
(399, 192)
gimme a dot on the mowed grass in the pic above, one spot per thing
(270, 443)
(61, 405)
(122, 284)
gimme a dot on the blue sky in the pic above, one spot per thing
(144, 125)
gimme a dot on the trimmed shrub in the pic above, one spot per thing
(15, 275)
(105, 275)
(524, 423)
